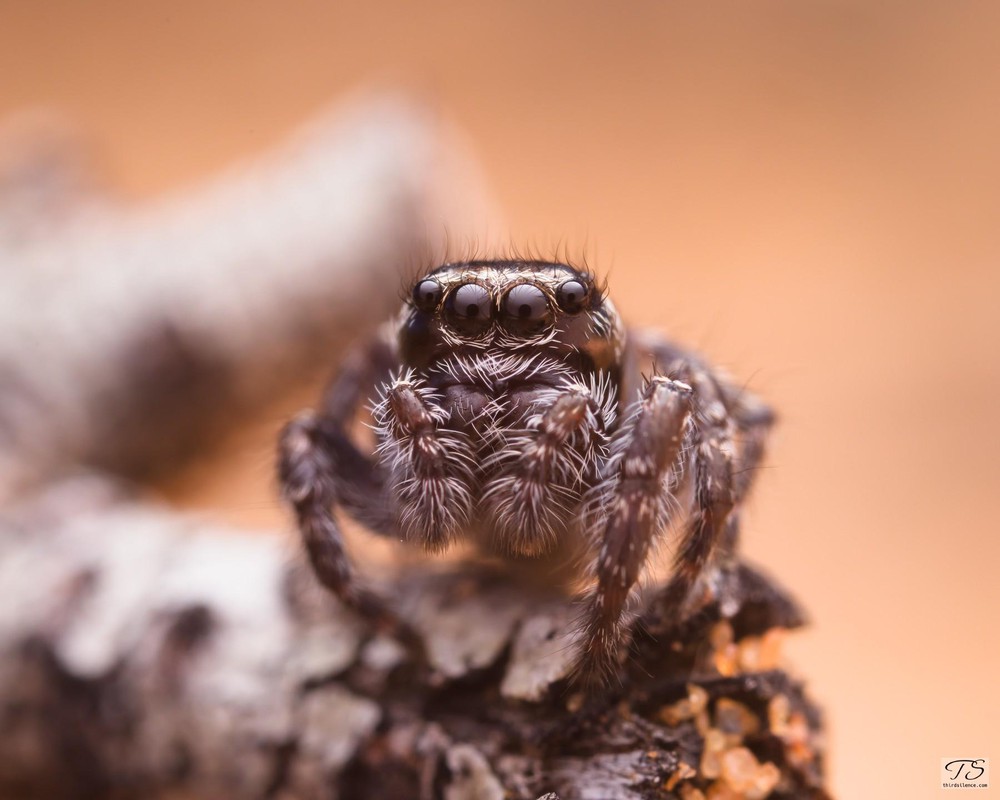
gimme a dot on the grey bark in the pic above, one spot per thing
(145, 652)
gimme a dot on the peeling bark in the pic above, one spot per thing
(146, 653)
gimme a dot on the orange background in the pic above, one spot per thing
(808, 192)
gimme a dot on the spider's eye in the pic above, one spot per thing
(526, 309)
(427, 294)
(572, 296)
(468, 308)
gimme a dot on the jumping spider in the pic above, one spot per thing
(509, 405)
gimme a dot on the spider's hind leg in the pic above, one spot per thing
(753, 421)
(633, 506)
(710, 523)
(310, 473)
(319, 467)
(730, 432)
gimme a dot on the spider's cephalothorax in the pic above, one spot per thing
(509, 407)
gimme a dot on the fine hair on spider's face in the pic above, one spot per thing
(510, 306)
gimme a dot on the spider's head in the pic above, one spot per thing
(509, 306)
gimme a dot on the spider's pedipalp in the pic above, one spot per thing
(431, 467)
(538, 475)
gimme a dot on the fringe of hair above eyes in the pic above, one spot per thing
(475, 253)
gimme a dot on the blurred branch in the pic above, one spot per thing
(128, 332)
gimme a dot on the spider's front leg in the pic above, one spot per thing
(635, 504)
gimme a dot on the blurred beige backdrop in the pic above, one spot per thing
(808, 192)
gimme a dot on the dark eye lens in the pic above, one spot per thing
(468, 308)
(571, 296)
(526, 309)
(427, 294)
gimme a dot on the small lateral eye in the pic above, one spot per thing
(571, 296)
(469, 308)
(526, 309)
(427, 294)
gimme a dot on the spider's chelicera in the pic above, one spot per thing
(511, 406)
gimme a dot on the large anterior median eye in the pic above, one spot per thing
(468, 308)
(427, 294)
(526, 309)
